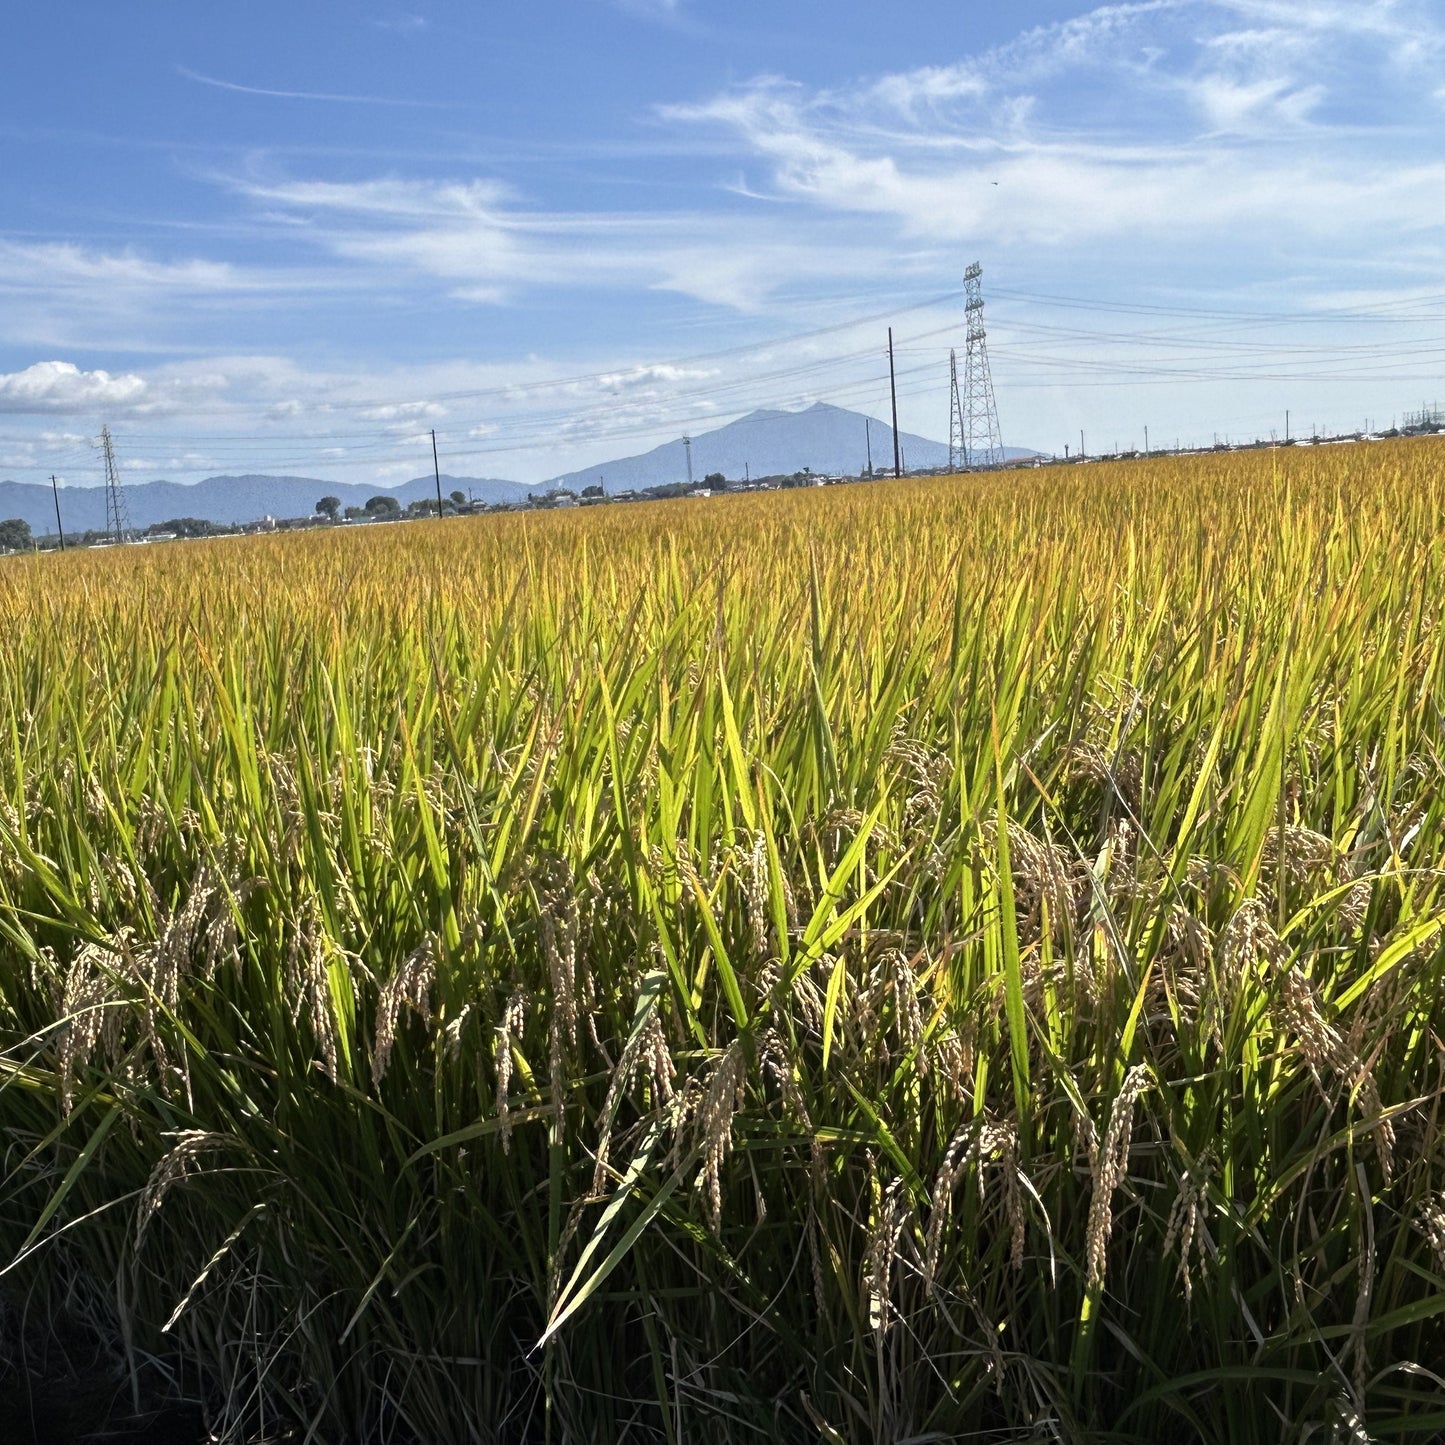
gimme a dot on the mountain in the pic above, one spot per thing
(827, 439)
(226, 499)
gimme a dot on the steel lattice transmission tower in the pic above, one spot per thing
(117, 517)
(956, 461)
(982, 439)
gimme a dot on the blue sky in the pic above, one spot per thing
(296, 237)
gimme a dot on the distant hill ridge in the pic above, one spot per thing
(226, 500)
(826, 439)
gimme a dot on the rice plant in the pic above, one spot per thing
(948, 960)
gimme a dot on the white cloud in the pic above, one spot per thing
(477, 238)
(650, 376)
(64, 296)
(403, 24)
(60, 386)
(390, 198)
(1262, 105)
(1413, 25)
(406, 412)
(60, 265)
(314, 95)
(1176, 124)
(651, 9)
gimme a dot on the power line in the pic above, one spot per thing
(1208, 345)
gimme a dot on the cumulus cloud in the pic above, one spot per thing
(651, 376)
(61, 386)
(406, 412)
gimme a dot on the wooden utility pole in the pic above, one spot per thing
(55, 492)
(893, 392)
(437, 469)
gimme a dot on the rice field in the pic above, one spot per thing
(912, 962)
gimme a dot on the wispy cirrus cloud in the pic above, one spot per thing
(481, 241)
(64, 295)
(406, 23)
(319, 95)
(1175, 123)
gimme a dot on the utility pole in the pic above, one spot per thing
(687, 447)
(893, 392)
(54, 492)
(957, 452)
(868, 439)
(436, 467)
(1081, 444)
(1146, 441)
(1286, 427)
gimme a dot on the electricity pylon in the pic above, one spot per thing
(982, 439)
(955, 416)
(117, 517)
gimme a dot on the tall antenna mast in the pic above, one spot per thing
(956, 457)
(982, 439)
(687, 447)
(117, 517)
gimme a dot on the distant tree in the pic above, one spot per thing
(715, 481)
(459, 498)
(14, 534)
(355, 514)
(328, 507)
(595, 490)
(183, 527)
(382, 506)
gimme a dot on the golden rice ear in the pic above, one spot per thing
(726, 1092)
(412, 985)
(1111, 1168)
